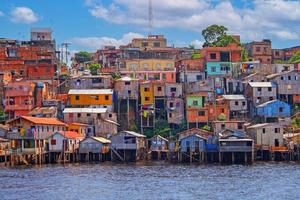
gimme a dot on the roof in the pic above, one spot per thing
(160, 137)
(110, 121)
(269, 102)
(261, 125)
(91, 91)
(134, 133)
(196, 135)
(85, 110)
(127, 79)
(43, 110)
(262, 84)
(44, 120)
(102, 140)
(234, 97)
(271, 76)
(69, 134)
(78, 124)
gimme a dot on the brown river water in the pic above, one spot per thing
(151, 181)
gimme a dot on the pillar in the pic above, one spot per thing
(232, 159)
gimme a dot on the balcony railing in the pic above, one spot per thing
(235, 148)
(124, 146)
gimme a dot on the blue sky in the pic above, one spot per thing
(90, 24)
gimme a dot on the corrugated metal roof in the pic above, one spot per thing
(267, 103)
(262, 84)
(234, 97)
(85, 110)
(134, 134)
(258, 125)
(44, 120)
(91, 91)
(127, 79)
(102, 140)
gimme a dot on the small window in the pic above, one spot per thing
(77, 98)
(280, 109)
(127, 83)
(147, 98)
(257, 49)
(269, 89)
(170, 115)
(159, 89)
(222, 126)
(271, 99)
(213, 56)
(171, 104)
(53, 142)
(96, 98)
(195, 103)
(236, 103)
(146, 89)
(289, 78)
(263, 130)
(78, 115)
(110, 115)
(164, 77)
(213, 69)
(282, 78)
(88, 114)
(129, 92)
(173, 89)
(240, 126)
(222, 110)
(243, 103)
(276, 130)
(106, 97)
(259, 89)
(199, 77)
(201, 113)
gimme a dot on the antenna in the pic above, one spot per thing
(150, 15)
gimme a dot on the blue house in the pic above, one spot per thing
(273, 109)
(218, 68)
(192, 148)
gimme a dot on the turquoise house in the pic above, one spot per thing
(195, 101)
(218, 68)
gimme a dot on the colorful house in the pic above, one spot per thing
(127, 87)
(147, 93)
(272, 110)
(219, 69)
(91, 82)
(64, 141)
(237, 105)
(260, 92)
(91, 97)
(197, 111)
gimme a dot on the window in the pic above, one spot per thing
(276, 130)
(280, 109)
(269, 89)
(77, 98)
(257, 49)
(127, 83)
(147, 98)
(145, 65)
(129, 92)
(146, 89)
(222, 126)
(88, 114)
(159, 89)
(289, 78)
(195, 103)
(96, 98)
(164, 76)
(222, 110)
(110, 115)
(156, 44)
(282, 78)
(213, 56)
(78, 115)
(259, 89)
(243, 103)
(171, 104)
(170, 115)
(271, 99)
(106, 97)
(47, 128)
(240, 126)
(236, 103)
(98, 115)
(199, 77)
(144, 44)
(263, 130)
(213, 69)
(53, 142)
(173, 89)
(201, 113)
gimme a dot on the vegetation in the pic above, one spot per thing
(216, 36)
(115, 75)
(84, 54)
(295, 59)
(245, 57)
(206, 128)
(94, 68)
(196, 55)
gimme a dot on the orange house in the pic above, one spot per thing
(231, 53)
(41, 71)
(100, 97)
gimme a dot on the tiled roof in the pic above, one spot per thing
(70, 134)
(44, 120)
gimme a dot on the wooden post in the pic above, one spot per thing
(191, 158)
(128, 107)
(232, 154)
(246, 158)
(220, 157)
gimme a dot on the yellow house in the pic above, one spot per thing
(150, 65)
(79, 128)
(89, 97)
(147, 93)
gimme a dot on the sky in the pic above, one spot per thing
(91, 24)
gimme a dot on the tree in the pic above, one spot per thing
(245, 57)
(295, 59)
(216, 35)
(94, 68)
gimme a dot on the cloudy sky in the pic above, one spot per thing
(90, 24)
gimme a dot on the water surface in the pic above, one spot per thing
(151, 181)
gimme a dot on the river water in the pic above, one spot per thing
(151, 181)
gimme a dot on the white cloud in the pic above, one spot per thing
(260, 19)
(99, 42)
(1, 13)
(197, 44)
(23, 15)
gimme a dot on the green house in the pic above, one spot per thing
(218, 68)
(195, 101)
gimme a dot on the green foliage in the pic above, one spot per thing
(295, 59)
(245, 57)
(206, 128)
(196, 55)
(115, 75)
(84, 54)
(134, 127)
(279, 62)
(215, 35)
(94, 68)
(296, 122)
(221, 117)
(191, 46)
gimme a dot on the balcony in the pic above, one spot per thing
(235, 148)
(17, 93)
(18, 107)
(124, 146)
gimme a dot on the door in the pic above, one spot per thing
(188, 146)
(276, 143)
